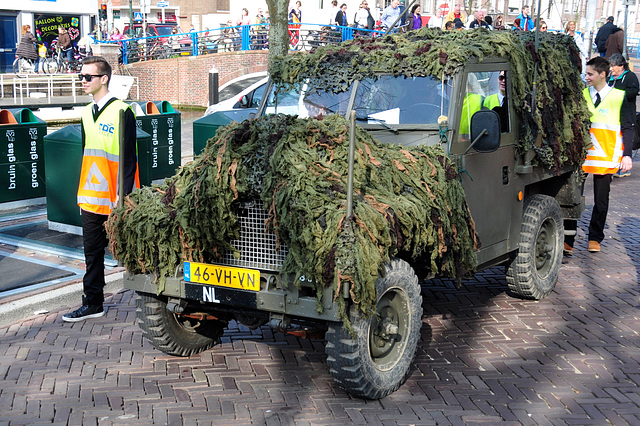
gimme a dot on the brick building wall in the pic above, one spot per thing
(185, 80)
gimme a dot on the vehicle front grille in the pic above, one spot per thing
(257, 247)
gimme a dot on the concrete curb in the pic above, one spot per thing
(67, 296)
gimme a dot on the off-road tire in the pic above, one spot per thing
(371, 365)
(533, 272)
(171, 333)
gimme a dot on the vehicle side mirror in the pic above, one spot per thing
(485, 130)
(244, 101)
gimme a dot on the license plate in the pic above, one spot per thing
(224, 276)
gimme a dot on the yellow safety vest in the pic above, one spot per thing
(491, 101)
(606, 136)
(98, 186)
(472, 103)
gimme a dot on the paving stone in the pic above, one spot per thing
(484, 357)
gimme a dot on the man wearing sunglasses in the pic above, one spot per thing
(102, 161)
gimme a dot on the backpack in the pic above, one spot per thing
(370, 21)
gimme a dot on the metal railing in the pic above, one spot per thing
(49, 86)
(303, 37)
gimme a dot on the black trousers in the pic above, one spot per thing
(601, 188)
(94, 237)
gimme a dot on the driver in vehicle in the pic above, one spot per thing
(498, 102)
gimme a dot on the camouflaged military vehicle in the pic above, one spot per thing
(307, 222)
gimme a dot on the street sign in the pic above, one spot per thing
(137, 16)
(163, 4)
(116, 14)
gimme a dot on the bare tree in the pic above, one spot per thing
(278, 30)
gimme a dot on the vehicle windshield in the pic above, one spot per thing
(384, 100)
(311, 104)
(164, 30)
(402, 100)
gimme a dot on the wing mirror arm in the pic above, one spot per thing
(463, 159)
(482, 133)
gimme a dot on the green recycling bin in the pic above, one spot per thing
(22, 174)
(62, 162)
(206, 127)
(164, 124)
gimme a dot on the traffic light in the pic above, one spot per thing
(103, 12)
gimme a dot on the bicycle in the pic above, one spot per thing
(60, 64)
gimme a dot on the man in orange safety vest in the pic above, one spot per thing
(102, 161)
(612, 140)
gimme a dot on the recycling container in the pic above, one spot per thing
(22, 172)
(164, 124)
(62, 162)
(206, 127)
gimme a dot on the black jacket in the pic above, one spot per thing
(341, 18)
(603, 34)
(628, 82)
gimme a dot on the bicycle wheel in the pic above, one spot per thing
(50, 66)
(16, 65)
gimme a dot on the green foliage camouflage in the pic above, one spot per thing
(556, 129)
(408, 203)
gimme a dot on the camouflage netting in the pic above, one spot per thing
(557, 129)
(408, 203)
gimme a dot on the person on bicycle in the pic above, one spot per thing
(64, 42)
(26, 48)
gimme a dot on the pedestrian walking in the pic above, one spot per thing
(603, 35)
(623, 78)
(611, 132)
(102, 162)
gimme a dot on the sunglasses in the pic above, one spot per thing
(88, 77)
(502, 77)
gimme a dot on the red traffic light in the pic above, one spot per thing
(103, 7)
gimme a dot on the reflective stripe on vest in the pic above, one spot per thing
(98, 186)
(606, 136)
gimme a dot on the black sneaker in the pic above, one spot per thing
(84, 312)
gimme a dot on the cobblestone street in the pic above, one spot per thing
(485, 357)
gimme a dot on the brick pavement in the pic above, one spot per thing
(485, 357)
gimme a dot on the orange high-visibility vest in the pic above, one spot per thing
(606, 135)
(98, 187)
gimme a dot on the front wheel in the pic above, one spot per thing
(533, 272)
(175, 334)
(376, 361)
(50, 66)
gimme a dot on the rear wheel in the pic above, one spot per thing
(21, 66)
(175, 334)
(377, 360)
(533, 272)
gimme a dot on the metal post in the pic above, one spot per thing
(624, 45)
(352, 150)
(121, 160)
(213, 86)
(130, 21)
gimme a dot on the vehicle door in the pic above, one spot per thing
(488, 178)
